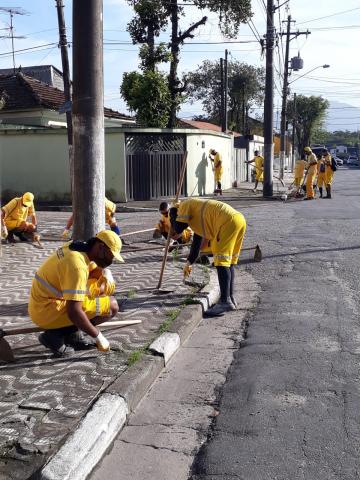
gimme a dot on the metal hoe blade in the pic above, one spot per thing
(6, 354)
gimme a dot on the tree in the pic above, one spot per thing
(246, 89)
(310, 115)
(147, 94)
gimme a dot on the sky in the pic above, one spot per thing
(334, 40)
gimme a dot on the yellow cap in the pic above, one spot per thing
(112, 241)
(27, 199)
(307, 150)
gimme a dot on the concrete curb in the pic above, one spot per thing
(86, 446)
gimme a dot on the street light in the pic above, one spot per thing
(303, 75)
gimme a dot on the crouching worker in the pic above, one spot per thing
(110, 219)
(14, 216)
(162, 228)
(70, 294)
(225, 228)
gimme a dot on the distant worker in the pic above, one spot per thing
(258, 160)
(215, 157)
(311, 171)
(162, 228)
(299, 173)
(70, 294)
(14, 216)
(225, 228)
(320, 174)
(330, 168)
(110, 219)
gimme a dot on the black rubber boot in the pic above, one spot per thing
(320, 191)
(328, 192)
(79, 341)
(10, 237)
(54, 340)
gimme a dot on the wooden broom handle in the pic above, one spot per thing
(180, 184)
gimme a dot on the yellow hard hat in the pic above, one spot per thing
(27, 199)
(307, 150)
(113, 242)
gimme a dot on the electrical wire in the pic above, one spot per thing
(328, 16)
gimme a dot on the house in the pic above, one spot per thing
(45, 73)
(25, 100)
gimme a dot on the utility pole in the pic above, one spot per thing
(285, 94)
(293, 136)
(269, 102)
(226, 86)
(63, 44)
(88, 119)
(222, 104)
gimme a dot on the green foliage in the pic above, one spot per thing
(339, 137)
(148, 96)
(135, 357)
(170, 317)
(246, 89)
(310, 115)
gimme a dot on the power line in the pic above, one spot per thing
(328, 16)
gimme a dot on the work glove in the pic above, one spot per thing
(175, 204)
(187, 269)
(65, 235)
(101, 343)
(4, 231)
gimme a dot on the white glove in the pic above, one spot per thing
(4, 231)
(108, 275)
(109, 283)
(102, 344)
(65, 235)
(187, 269)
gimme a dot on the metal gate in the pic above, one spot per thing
(153, 164)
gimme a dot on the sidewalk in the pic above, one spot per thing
(42, 398)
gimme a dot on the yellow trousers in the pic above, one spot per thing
(321, 179)
(226, 246)
(310, 179)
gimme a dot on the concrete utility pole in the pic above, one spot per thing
(285, 93)
(293, 136)
(63, 44)
(226, 86)
(88, 119)
(222, 104)
(269, 103)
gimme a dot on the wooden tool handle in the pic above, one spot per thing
(19, 331)
(180, 183)
(137, 231)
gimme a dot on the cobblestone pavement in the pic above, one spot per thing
(42, 397)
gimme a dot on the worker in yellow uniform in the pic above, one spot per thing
(162, 228)
(258, 160)
(299, 173)
(321, 174)
(329, 171)
(225, 228)
(14, 216)
(110, 219)
(311, 166)
(70, 294)
(215, 158)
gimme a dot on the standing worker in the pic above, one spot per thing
(110, 219)
(218, 169)
(321, 174)
(258, 160)
(330, 168)
(14, 217)
(70, 293)
(225, 228)
(299, 173)
(311, 164)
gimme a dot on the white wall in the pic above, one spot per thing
(199, 166)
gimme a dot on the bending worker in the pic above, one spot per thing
(258, 160)
(329, 171)
(162, 228)
(110, 219)
(225, 228)
(70, 294)
(218, 169)
(14, 217)
(311, 165)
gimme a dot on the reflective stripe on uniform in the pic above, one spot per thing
(202, 219)
(76, 292)
(48, 286)
(97, 300)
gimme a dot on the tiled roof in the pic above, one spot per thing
(203, 125)
(19, 91)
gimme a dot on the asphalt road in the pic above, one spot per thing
(283, 402)
(290, 406)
